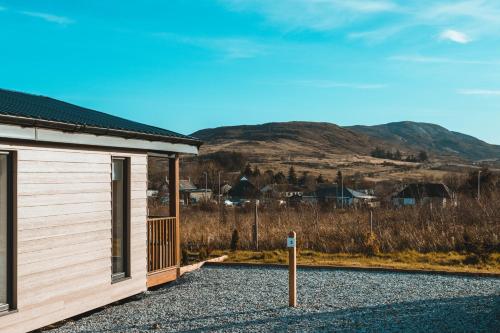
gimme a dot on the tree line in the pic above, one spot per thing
(378, 152)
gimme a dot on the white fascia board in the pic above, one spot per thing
(53, 136)
(17, 132)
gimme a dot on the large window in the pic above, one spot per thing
(6, 233)
(120, 228)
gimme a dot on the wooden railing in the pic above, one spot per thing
(161, 244)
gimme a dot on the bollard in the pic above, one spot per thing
(292, 269)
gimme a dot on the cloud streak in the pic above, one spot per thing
(440, 60)
(319, 15)
(326, 84)
(230, 48)
(484, 92)
(62, 20)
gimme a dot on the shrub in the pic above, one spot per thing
(371, 245)
(235, 238)
(184, 257)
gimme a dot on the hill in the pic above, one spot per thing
(305, 136)
(432, 138)
(325, 148)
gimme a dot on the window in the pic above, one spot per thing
(120, 227)
(6, 233)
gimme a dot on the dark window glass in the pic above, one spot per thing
(5, 231)
(120, 218)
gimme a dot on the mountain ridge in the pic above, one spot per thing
(308, 137)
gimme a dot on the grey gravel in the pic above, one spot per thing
(239, 299)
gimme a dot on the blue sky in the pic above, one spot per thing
(187, 65)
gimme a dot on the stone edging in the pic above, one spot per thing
(360, 268)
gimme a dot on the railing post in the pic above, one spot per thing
(175, 206)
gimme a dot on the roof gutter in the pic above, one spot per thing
(49, 124)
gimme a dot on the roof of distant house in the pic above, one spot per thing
(281, 188)
(35, 110)
(186, 185)
(244, 189)
(424, 190)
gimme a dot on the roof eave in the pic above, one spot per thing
(33, 122)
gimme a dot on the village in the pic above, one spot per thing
(280, 190)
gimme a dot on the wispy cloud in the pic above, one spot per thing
(478, 17)
(335, 84)
(378, 35)
(455, 36)
(486, 92)
(320, 15)
(62, 20)
(230, 48)
(441, 60)
(3, 8)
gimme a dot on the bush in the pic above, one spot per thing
(235, 238)
(371, 245)
(203, 253)
(184, 257)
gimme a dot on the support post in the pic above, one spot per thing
(175, 206)
(292, 269)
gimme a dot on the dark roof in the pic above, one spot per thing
(30, 110)
(244, 189)
(424, 190)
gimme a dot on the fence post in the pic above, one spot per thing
(256, 227)
(292, 269)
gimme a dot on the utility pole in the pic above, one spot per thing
(219, 190)
(479, 185)
(342, 181)
(256, 226)
(206, 185)
(371, 221)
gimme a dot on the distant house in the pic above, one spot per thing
(423, 193)
(332, 193)
(282, 191)
(191, 194)
(244, 190)
(224, 190)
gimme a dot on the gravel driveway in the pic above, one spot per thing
(238, 299)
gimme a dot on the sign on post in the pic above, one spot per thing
(291, 244)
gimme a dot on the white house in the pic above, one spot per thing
(74, 230)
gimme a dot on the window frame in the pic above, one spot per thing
(11, 232)
(117, 277)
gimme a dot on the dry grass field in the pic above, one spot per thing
(463, 236)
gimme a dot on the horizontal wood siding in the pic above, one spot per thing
(64, 234)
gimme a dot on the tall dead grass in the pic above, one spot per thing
(471, 227)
